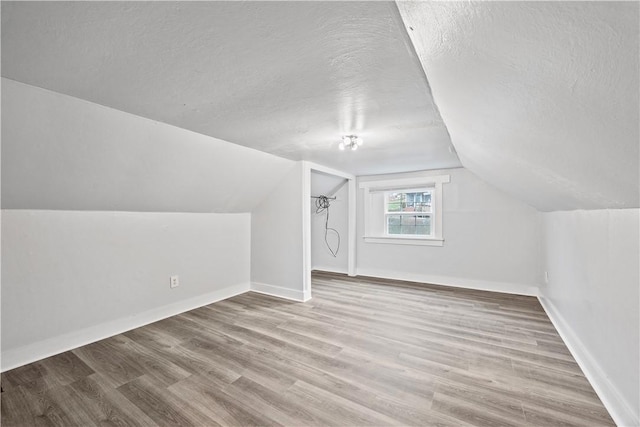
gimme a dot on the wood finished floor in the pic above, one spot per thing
(362, 352)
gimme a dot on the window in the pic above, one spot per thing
(408, 212)
(404, 211)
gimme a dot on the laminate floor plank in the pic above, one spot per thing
(273, 404)
(17, 409)
(107, 405)
(149, 362)
(214, 401)
(472, 413)
(61, 369)
(117, 367)
(164, 408)
(362, 352)
(339, 410)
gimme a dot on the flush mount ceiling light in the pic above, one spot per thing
(350, 141)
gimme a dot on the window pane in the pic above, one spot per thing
(409, 202)
(424, 225)
(395, 202)
(423, 221)
(408, 220)
(408, 230)
(420, 202)
(393, 224)
(423, 231)
(419, 225)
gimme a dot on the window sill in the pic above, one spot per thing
(418, 241)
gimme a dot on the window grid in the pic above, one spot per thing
(409, 213)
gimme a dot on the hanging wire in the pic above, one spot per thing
(322, 204)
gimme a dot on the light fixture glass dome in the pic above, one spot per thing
(350, 141)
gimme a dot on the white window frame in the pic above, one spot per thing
(434, 183)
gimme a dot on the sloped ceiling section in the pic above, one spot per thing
(540, 98)
(64, 153)
(323, 184)
(288, 78)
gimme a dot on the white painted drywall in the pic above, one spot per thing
(593, 258)
(321, 257)
(64, 153)
(276, 239)
(73, 277)
(289, 78)
(491, 241)
(323, 183)
(541, 99)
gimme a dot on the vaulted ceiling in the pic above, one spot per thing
(288, 78)
(540, 99)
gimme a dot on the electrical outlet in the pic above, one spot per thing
(174, 282)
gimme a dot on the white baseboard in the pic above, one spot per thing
(277, 291)
(456, 282)
(14, 358)
(330, 269)
(618, 407)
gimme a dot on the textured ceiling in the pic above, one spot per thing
(288, 78)
(540, 98)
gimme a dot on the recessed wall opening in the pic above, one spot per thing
(329, 222)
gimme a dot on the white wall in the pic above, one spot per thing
(276, 239)
(321, 257)
(592, 258)
(72, 271)
(64, 153)
(71, 277)
(491, 241)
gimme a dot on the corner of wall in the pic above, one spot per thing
(616, 404)
(277, 237)
(592, 299)
(280, 292)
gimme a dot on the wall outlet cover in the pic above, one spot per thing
(174, 282)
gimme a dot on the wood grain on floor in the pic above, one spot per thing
(362, 352)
